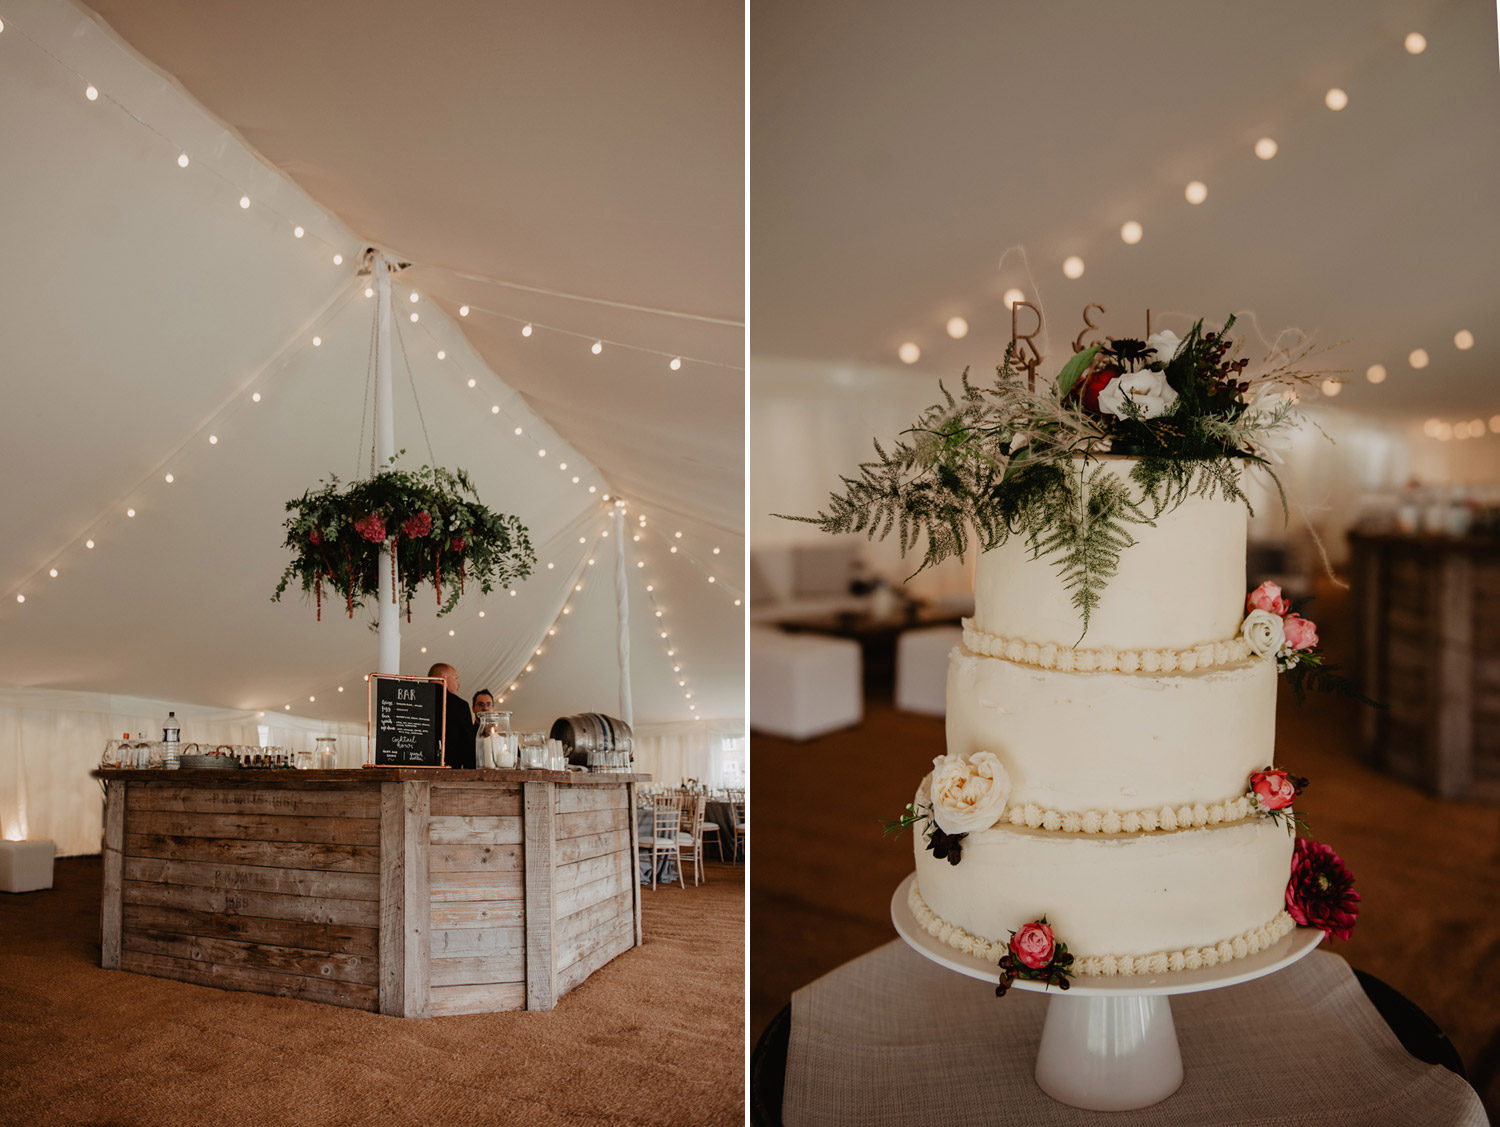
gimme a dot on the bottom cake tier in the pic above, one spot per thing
(1123, 903)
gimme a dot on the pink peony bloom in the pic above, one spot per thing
(418, 526)
(1267, 597)
(1273, 789)
(1033, 945)
(1321, 892)
(1301, 633)
(372, 528)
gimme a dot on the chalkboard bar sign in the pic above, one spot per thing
(407, 719)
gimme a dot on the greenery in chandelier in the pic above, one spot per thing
(338, 533)
(1013, 460)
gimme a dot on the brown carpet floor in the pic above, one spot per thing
(655, 1037)
(1428, 870)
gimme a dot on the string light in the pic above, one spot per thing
(1196, 191)
(958, 328)
(463, 310)
(1416, 43)
(1012, 297)
(597, 347)
(1072, 267)
(1418, 358)
(244, 202)
(1335, 99)
(92, 93)
(338, 260)
(1131, 232)
(909, 353)
(298, 232)
(1265, 148)
(53, 573)
(1463, 340)
(676, 363)
(472, 382)
(88, 544)
(1375, 373)
(526, 329)
(255, 398)
(317, 342)
(442, 355)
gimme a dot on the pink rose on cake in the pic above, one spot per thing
(1033, 944)
(1264, 632)
(1273, 789)
(1267, 597)
(968, 794)
(1301, 633)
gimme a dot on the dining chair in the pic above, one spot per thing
(666, 823)
(739, 827)
(692, 837)
(708, 830)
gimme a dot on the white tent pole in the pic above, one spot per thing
(622, 607)
(385, 448)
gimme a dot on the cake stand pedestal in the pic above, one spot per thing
(1108, 1044)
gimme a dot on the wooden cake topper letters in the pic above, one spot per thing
(1023, 352)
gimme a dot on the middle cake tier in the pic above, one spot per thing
(1101, 743)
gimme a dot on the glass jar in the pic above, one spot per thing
(494, 744)
(326, 755)
(533, 750)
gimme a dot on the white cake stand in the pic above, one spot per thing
(1108, 1044)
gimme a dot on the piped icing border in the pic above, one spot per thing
(1068, 659)
(1109, 966)
(1187, 816)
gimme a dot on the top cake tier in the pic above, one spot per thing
(1181, 584)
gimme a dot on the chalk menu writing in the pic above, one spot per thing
(407, 721)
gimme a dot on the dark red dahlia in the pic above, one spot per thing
(458, 544)
(1321, 892)
(315, 536)
(418, 526)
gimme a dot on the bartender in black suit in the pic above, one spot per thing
(461, 731)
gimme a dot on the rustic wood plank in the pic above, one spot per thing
(446, 887)
(611, 947)
(571, 927)
(586, 895)
(254, 878)
(474, 858)
(586, 943)
(271, 854)
(480, 970)
(253, 929)
(256, 981)
(541, 968)
(585, 872)
(476, 913)
(416, 804)
(259, 827)
(493, 998)
(574, 800)
(453, 943)
(231, 954)
(635, 879)
(392, 957)
(111, 899)
(592, 822)
(571, 849)
(346, 913)
(485, 800)
(475, 831)
(353, 803)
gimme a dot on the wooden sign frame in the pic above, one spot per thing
(370, 739)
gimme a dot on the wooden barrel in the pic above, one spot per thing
(595, 741)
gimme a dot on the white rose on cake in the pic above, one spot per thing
(1264, 631)
(968, 795)
(1149, 391)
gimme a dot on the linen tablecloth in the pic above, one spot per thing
(720, 814)
(892, 1038)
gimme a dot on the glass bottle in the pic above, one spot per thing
(494, 745)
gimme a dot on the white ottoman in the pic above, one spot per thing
(922, 668)
(26, 866)
(803, 685)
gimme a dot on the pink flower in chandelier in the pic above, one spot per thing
(372, 528)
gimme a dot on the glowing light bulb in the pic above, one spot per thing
(736, 602)
(529, 668)
(481, 614)
(170, 479)
(650, 587)
(255, 398)
(909, 353)
(298, 232)
(1331, 388)
(1335, 99)
(597, 347)
(213, 440)
(526, 329)
(341, 688)
(20, 598)
(495, 409)
(450, 633)
(716, 551)
(53, 573)
(1196, 191)
(567, 610)
(583, 539)
(463, 310)
(311, 700)
(593, 489)
(1416, 43)
(1012, 297)
(442, 355)
(473, 382)
(518, 430)
(640, 563)
(675, 364)
(1418, 358)
(92, 93)
(424, 649)
(414, 296)
(287, 707)
(338, 260)
(244, 201)
(575, 479)
(552, 630)
(563, 466)
(1375, 373)
(130, 512)
(541, 453)
(958, 328)
(1495, 424)
(1265, 148)
(1131, 232)
(317, 342)
(513, 592)
(88, 544)
(550, 566)
(415, 317)
(369, 291)
(1072, 266)
(182, 160)
(1463, 340)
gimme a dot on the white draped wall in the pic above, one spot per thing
(51, 740)
(670, 753)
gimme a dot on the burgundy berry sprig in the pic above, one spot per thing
(944, 846)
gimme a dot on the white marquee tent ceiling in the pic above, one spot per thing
(586, 149)
(899, 150)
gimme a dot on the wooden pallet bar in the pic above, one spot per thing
(412, 893)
